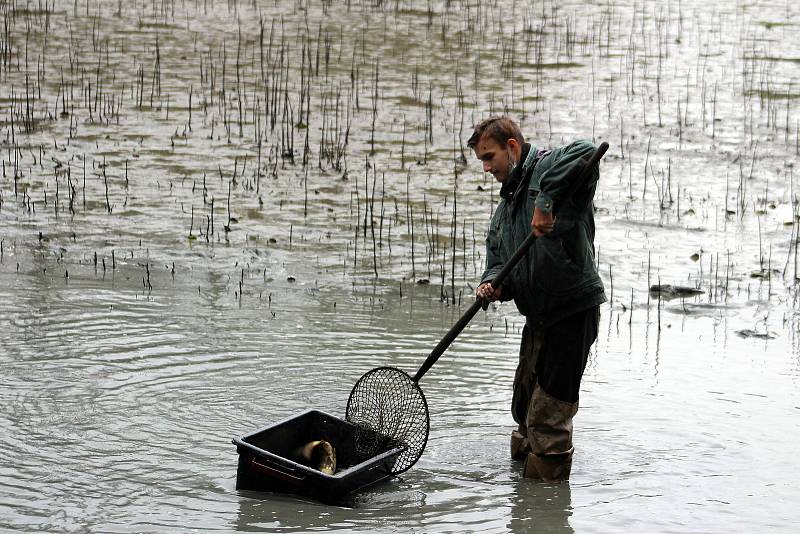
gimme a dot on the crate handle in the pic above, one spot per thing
(275, 471)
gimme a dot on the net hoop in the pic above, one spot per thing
(389, 410)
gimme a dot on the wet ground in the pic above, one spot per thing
(202, 232)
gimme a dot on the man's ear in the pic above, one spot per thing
(515, 147)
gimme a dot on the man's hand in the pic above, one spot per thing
(542, 223)
(488, 293)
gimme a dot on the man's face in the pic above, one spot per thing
(495, 157)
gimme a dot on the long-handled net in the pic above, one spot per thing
(387, 405)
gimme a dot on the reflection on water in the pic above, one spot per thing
(202, 233)
(541, 508)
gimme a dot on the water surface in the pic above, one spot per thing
(136, 340)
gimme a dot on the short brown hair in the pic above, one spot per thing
(498, 128)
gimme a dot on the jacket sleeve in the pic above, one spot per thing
(557, 176)
(496, 258)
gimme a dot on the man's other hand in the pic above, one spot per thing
(542, 223)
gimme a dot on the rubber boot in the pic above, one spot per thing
(548, 468)
(549, 423)
(520, 446)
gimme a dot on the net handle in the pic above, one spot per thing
(509, 266)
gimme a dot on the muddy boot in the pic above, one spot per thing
(520, 447)
(549, 468)
(549, 424)
(550, 437)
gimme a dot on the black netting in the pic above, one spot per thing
(389, 409)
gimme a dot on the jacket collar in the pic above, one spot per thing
(516, 183)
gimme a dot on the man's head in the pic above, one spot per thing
(497, 142)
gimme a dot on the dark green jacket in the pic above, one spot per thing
(558, 277)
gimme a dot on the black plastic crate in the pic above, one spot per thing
(265, 462)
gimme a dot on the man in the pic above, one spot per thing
(556, 286)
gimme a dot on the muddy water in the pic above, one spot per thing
(137, 338)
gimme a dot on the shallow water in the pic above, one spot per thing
(134, 345)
